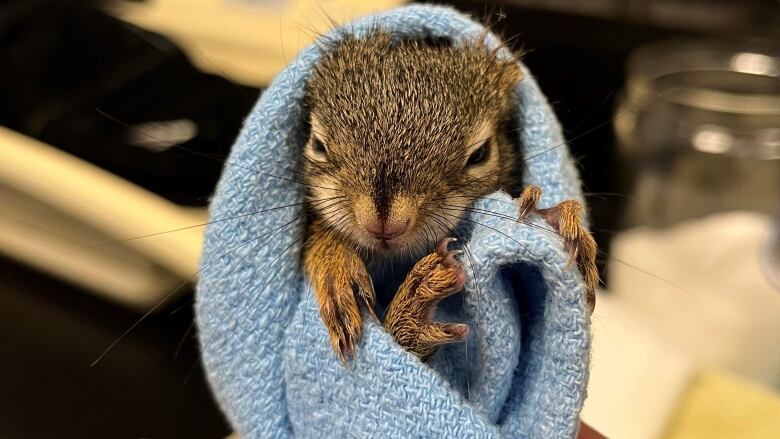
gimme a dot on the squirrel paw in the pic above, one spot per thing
(410, 315)
(337, 290)
(565, 219)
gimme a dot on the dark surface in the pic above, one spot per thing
(62, 62)
(118, 96)
(52, 332)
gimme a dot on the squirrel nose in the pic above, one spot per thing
(383, 230)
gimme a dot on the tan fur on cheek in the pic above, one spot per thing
(328, 201)
(452, 210)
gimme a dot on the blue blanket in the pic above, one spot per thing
(524, 369)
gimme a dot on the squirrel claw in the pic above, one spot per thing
(448, 256)
(449, 259)
(458, 331)
(442, 248)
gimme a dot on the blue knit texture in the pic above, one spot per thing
(522, 372)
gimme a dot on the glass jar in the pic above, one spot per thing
(699, 127)
(699, 132)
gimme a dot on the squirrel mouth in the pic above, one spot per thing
(384, 243)
(388, 244)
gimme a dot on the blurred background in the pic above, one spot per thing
(116, 116)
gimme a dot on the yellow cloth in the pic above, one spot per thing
(719, 405)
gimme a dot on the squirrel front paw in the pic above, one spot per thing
(410, 315)
(565, 218)
(340, 279)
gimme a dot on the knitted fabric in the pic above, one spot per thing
(522, 372)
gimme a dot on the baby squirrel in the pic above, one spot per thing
(405, 135)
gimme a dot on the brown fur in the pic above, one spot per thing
(409, 318)
(399, 121)
(394, 125)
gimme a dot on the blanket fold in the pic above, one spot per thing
(524, 369)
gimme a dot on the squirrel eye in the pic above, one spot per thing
(479, 155)
(317, 150)
(319, 147)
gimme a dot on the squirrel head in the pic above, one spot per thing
(405, 134)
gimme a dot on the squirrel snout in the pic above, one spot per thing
(400, 218)
(386, 230)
